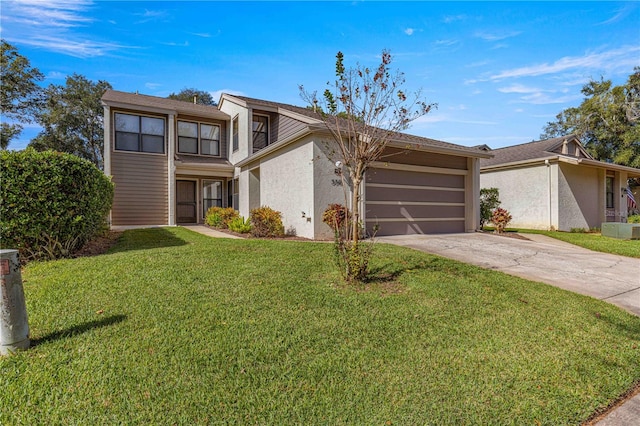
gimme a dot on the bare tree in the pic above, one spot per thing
(364, 109)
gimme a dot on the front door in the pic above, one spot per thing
(187, 206)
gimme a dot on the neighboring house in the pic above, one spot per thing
(556, 184)
(171, 160)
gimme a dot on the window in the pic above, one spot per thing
(195, 138)
(260, 132)
(139, 134)
(211, 195)
(234, 127)
(609, 192)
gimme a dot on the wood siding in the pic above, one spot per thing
(416, 202)
(280, 126)
(141, 192)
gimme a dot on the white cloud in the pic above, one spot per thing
(62, 14)
(624, 57)
(620, 13)
(409, 31)
(496, 36)
(453, 18)
(519, 88)
(55, 75)
(446, 42)
(52, 25)
(152, 86)
(71, 47)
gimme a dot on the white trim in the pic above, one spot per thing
(106, 155)
(417, 219)
(421, 169)
(414, 203)
(421, 187)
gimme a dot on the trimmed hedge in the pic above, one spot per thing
(266, 223)
(51, 203)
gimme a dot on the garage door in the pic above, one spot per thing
(401, 199)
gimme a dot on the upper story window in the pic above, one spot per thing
(234, 131)
(138, 133)
(260, 132)
(198, 138)
(609, 192)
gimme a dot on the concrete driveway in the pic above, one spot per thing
(612, 278)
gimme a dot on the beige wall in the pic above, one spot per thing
(141, 190)
(578, 202)
(525, 193)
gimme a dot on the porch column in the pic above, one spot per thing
(171, 170)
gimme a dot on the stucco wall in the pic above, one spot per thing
(244, 130)
(327, 186)
(578, 203)
(525, 194)
(286, 185)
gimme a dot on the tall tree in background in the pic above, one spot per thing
(363, 109)
(188, 94)
(19, 92)
(607, 121)
(72, 119)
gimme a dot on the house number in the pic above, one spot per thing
(336, 182)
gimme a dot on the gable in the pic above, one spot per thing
(570, 147)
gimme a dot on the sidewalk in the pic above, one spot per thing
(210, 232)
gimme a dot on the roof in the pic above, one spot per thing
(154, 103)
(548, 149)
(526, 151)
(400, 139)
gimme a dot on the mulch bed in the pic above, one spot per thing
(99, 245)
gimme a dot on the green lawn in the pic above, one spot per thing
(592, 241)
(173, 327)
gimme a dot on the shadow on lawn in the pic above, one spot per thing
(78, 329)
(145, 239)
(393, 270)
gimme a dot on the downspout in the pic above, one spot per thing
(546, 162)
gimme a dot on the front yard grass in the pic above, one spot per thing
(592, 241)
(172, 327)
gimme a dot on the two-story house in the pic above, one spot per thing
(172, 160)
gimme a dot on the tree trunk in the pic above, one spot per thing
(355, 204)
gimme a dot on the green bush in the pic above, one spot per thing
(634, 218)
(51, 203)
(266, 222)
(240, 225)
(219, 217)
(489, 201)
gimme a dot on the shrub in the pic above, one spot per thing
(634, 218)
(240, 225)
(51, 203)
(489, 201)
(219, 217)
(266, 222)
(337, 217)
(500, 218)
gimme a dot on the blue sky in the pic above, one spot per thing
(499, 71)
